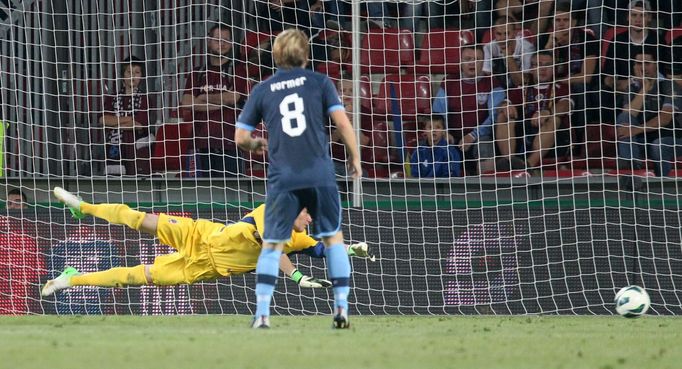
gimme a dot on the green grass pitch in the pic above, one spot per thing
(372, 342)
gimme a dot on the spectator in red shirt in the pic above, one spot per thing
(546, 104)
(468, 100)
(375, 150)
(215, 92)
(126, 119)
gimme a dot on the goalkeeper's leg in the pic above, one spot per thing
(167, 270)
(114, 277)
(113, 213)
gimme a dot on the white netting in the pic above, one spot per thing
(529, 197)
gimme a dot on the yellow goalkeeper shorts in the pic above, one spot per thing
(206, 250)
(192, 262)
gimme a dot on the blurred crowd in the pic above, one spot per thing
(447, 89)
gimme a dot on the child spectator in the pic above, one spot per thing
(434, 156)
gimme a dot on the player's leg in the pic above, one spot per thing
(192, 263)
(339, 273)
(113, 213)
(61, 282)
(167, 270)
(267, 270)
(171, 230)
(326, 213)
(114, 277)
(280, 212)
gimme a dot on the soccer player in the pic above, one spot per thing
(206, 250)
(295, 104)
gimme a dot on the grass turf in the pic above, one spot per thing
(309, 342)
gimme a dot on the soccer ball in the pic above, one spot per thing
(632, 301)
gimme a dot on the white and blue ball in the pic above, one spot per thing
(632, 301)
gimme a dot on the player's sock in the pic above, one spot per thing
(339, 273)
(115, 277)
(115, 214)
(266, 277)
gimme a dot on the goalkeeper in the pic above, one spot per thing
(205, 250)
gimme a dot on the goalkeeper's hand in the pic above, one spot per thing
(308, 281)
(361, 250)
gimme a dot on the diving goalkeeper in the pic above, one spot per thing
(205, 250)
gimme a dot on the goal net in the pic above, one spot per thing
(519, 157)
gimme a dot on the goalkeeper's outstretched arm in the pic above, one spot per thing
(288, 268)
(360, 250)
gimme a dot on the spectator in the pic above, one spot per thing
(260, 64)
(468, 101)
(435, 157)
(674, 51)
(647, 120)
(16, 200)
(378, 14)
(466, 14)
(482, 11)
(126, 117)
(597, 13)
(546, 104)
(375, 150)
(622, 50)
(508, 55)
(534, 15)
(275, 16)
(339, 50)
(331, 53)
(407, 14)
(576, 55)
(669, 14)
(410, 13)
(215, 93)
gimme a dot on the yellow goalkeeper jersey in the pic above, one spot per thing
(207, 250)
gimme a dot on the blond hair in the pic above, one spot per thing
(290, 49)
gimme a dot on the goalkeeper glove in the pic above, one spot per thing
(308, 281)
(361, 250)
